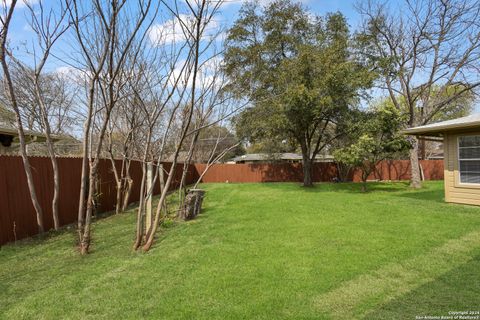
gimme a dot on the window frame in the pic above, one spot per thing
(458, 176)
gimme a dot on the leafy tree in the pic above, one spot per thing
(377, 137)
(428, 56)
(462, 105)
(301, 74)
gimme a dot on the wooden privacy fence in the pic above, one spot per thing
(322, 172)
(17, 215)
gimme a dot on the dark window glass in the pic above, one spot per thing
(469, 159)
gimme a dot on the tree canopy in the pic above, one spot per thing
(301, 73)
(376, 135)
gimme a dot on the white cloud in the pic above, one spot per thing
(23, 3)
(176, 30)
(205, 77)
(227, 3)
(170, 31)
(71, 73)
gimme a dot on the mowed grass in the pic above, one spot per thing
(262, 251)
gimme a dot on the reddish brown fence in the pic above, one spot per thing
(17, 215)
(322, 172)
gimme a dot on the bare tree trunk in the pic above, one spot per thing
(51, 153)
(56, 177)
(46, 41)
(423, 149)
(151, 233)
(92, 181)
(119, 203)
(85, 240)
(415, 181)
(139, 233)
(141, 205)
(85, 158)
(21, 134)
(118, 183)
(127, 185)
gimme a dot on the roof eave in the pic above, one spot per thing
(439, 130)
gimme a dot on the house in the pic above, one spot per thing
(277, 157)
(461, 144)
(9, 138)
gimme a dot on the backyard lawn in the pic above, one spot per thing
(262, 251)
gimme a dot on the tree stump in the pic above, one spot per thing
(192, 204)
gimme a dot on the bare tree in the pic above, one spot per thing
(428, 53)
(211, 107)
(193, 27)
(6, 19)
(58, 96)
(106, 32)
(158, 92)
(48, 26)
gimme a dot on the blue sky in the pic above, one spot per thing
(320, 7)
(20, 33)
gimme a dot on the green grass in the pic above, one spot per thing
(262, 251)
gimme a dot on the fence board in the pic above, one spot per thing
(322, 172)
(17, 215)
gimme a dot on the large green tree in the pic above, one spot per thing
(376, 137)
(299, 71)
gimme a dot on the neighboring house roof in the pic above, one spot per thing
(467, 122)
(30, 136)
(276, 156)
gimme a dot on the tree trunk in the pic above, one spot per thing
(127, 185)
(127, 192)
(85, 242)
(365, 175)
(415, 181)
(423, 149)
(140, 214)
(118, 203)
(85, 165)
(364, 185)
(56, 190)
(31, 186)
(307, 172)
(51, 153)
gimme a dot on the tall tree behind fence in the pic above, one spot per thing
(17, 215)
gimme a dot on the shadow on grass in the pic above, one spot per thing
(43, 239)
(424, 194)
(457, 290)
(348, 187)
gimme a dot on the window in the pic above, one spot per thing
(469, 159)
